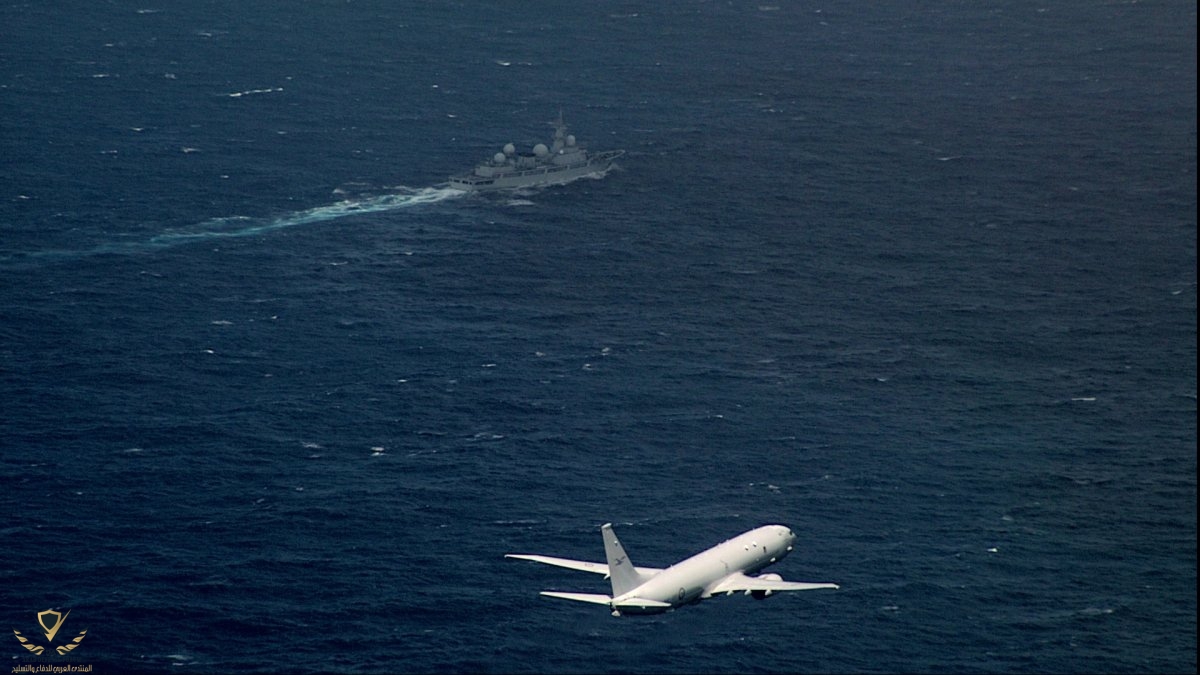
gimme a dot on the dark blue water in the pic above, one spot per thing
(915, 279)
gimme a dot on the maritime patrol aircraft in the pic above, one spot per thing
(726, 568)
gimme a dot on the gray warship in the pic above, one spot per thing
(564, 160)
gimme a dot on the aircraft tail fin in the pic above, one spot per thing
(621, 571)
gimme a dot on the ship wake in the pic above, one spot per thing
(242, 226)
(238, 226)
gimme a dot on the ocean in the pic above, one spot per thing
(917, 280)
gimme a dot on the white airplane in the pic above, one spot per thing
(725, 568)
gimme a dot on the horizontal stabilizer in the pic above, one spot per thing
(581, 565)
(594, 598)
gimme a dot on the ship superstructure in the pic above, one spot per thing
(563, 160)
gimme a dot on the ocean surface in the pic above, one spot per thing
(916, 279)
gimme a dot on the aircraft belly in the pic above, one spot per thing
(674, 595)
(632, 609)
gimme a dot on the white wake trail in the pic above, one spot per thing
(219, 227)
(243, 226)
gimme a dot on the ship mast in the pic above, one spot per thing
(560, 133)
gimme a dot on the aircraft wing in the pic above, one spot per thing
(741, 582)
(581, 565)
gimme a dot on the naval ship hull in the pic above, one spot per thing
(533, 177)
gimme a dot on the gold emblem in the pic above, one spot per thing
(55, 621)
(59, 618)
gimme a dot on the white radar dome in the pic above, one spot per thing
(499, 158)
(541, 150)
(510, 149)
(571, 139)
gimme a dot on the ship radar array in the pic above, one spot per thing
(560, 162)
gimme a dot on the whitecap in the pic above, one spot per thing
(248, 92)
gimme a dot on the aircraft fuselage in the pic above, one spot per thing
(729, 567)
(694, 578)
